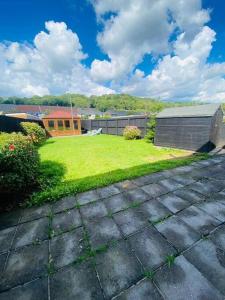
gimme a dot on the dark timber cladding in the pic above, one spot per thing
(12, 124)
(194, 128)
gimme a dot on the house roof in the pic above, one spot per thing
(33, 109)
(206, 110)
(60, 115)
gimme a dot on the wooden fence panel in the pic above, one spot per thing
(115, 126)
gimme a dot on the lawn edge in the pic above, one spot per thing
(64, 189)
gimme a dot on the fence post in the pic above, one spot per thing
(146, 119)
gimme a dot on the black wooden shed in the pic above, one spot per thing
(194, 128)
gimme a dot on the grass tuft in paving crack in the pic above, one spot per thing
(170, 259)
(149, 274)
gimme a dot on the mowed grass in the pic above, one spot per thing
(76, 164)
(92, 155)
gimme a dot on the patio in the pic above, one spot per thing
(160, 236)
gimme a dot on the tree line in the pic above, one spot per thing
(102, 103)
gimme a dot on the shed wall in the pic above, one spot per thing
(217, 123)
(184, 133)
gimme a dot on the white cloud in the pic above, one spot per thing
(185, 75)
(173, 32)
(141, 27)
(53, 64)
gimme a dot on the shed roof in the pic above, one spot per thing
(60, 115)
(206, 110)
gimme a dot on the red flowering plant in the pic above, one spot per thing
(19, 163)
(12, 147)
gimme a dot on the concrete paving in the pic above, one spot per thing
(159, 236)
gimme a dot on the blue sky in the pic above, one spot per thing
(21, 20)
(125, 54)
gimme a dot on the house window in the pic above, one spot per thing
(67, 124)
(75, 124)
(51, 125)
(60, 125)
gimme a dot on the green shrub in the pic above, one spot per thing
(19, 163)
(36, 133)
(150, 135)
(131, 133)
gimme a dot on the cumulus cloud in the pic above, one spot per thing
(53, 64)
(186, 75)
(136, 28)
(173, 32)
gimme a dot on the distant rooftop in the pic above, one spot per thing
(206, 110)
(60, 115)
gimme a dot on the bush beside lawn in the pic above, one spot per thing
(34, 131)
(19, 167)
(75, 164)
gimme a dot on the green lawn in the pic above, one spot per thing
(75, 164)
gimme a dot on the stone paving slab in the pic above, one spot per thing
(24, 265)
(35, 290)
(173, 202)
(130, 220)
(34, 213)
(117, 202)
(144, 180)
(126, 185)
(155, 190)
(94, 210)
(179, 234)
(198, 220)
(154, 210)
(3, 258)
(6, 237)
(103, 232)
(189, 195)
(31, 232)
(199, 173)
(210, 261)
(214, 208)
(170, 184)
(151, 248)
(9, 219)
(87, 197)
(64, 204)
(67, 248)
(105, 242)
(184, 281)
(218, 237)
(143, 290)
(184, 179)
(66, 221)
(137, 195)
(76, 282)
(184, 169)
(117, 269)
(206, 186)
(108, 191)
